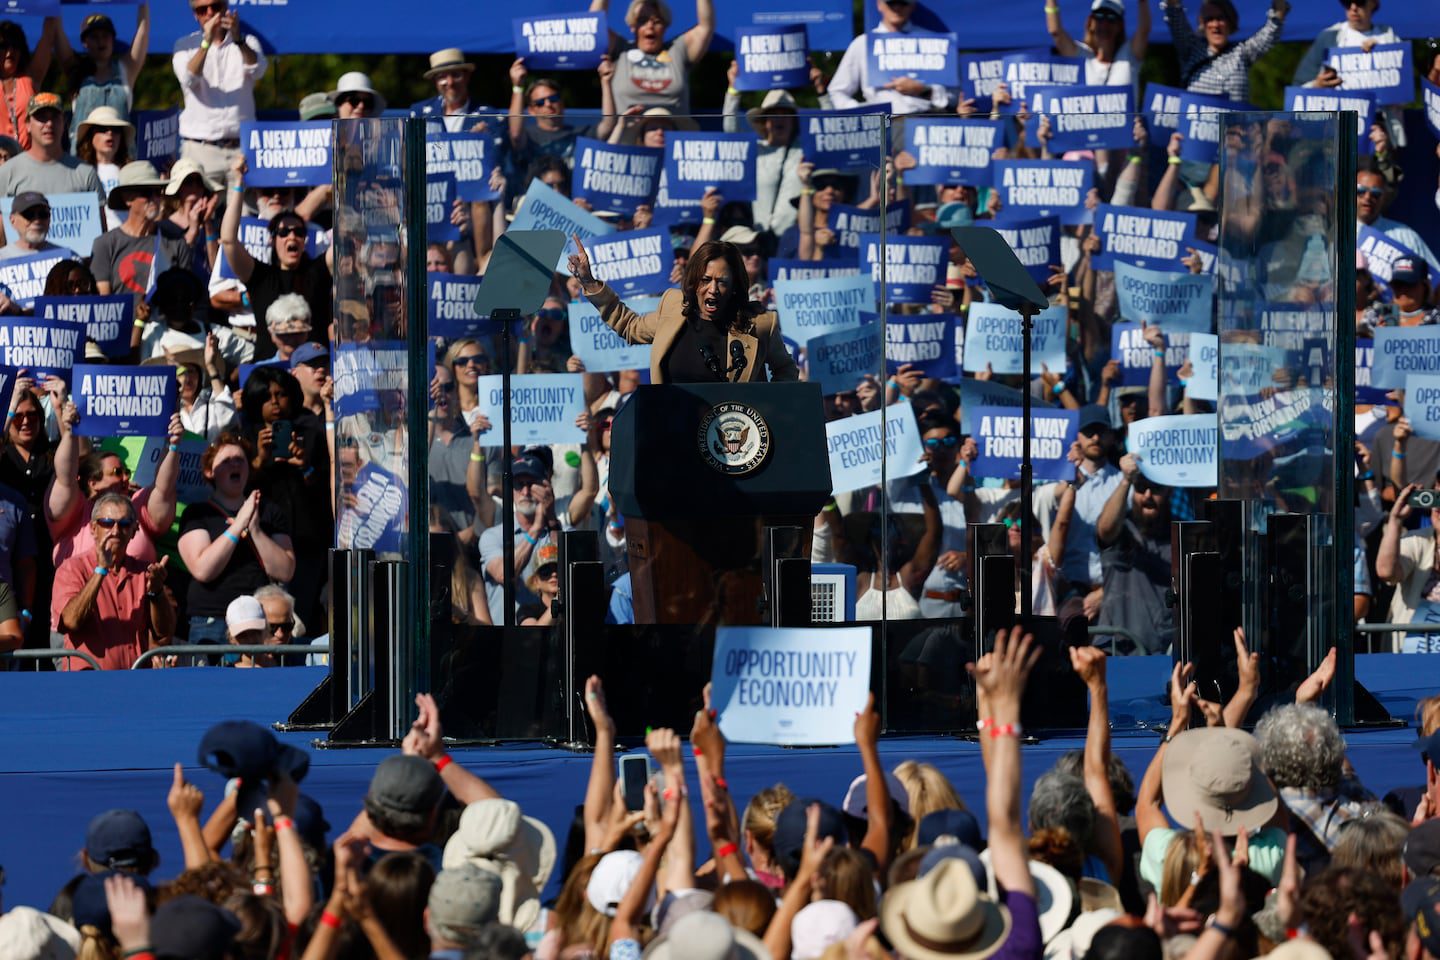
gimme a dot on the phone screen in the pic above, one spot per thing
(634, 773)
(280, 433)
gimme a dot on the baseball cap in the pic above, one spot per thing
(740, 235)
(1112, 6)
(96, 21)
(404, 784)
(88, 904)
(530, 465)
(119, 838)
(27, 201)
(1091, 414)
(1421, 852)
(790, 830)
(317, 106)
(1421, 902)
(818, 925)
(1409, 270)
(1429, 747)
(190, 928)
(956, 851)
(854, 802)
(546, 554)
(244, 613)
(310, 821)
(611, 878)
(244, 749)
(43, 101)
(960, 824)
(463, 900)
(307, 352)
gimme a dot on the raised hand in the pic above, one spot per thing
(1313, 687)
(426, 738)
(595, 705)
(155, 576)
(580, 263)
(1003, 678)
(184, 799)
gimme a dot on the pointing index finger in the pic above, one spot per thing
(579, 245)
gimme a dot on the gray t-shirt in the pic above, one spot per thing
(653, 81)
(1137, 576)
(12, 251)
(66, 175)
(124, 261)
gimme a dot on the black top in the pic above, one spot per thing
(268, 283)
(243, 574)
(686, 361)
(302, 495)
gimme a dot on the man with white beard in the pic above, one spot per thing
(30, 216)
(539, 518)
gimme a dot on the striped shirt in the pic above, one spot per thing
(1227, 74)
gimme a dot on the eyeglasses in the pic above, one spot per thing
(473, 360)
(217, 6)
(289, 230)
(1376, 192)
(935, 443)
(124, 523)
(284, 626)
(554, 98)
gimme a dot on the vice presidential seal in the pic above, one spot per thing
(733, 438)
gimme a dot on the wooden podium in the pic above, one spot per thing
(698, 471)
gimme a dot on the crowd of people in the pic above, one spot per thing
(1232, 845)
(271, 461)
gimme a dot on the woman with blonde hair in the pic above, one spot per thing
(929, 790)
(468, 362)
(759, 824)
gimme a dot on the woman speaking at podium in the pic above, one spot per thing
(705, 332)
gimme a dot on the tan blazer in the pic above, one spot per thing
(758, 335)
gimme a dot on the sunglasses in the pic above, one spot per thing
(473, 360)
(1376, 192)
(1141, 485)
(200, 9)
(284, 626)
(351, 99)
(551, 314)
(111, 522)
(26, 415)
(604, 423)
(289, 230)
(1106, 15)
(935, 443)
(547, 571)
(36, 213)
(554, 98)
(118, 472)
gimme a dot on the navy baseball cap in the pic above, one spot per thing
(241, 748)
(307, 353)
(26, 202)
(1407, 270)
(310, 821)
(1429, 747)
(190, 928)
(1421, 904)
(88, 905)
(119, 838)
(956, 851)
(529, 465)
(789, 838)
(1091, 414)
(960, 824)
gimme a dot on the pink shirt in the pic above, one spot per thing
(72, 537)
(118, 630)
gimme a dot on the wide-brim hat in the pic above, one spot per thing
(1054, 897)
(943, 916)
(357, 82)
(190, 357)
(776, 101)
(705, 935)
(443, 61)
(494, 835)
(136, 173)
(107, 117)
(183, 170)
(1215, 772)
(687, 124)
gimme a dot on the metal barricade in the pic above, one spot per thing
(1392, 628)
(52, 655)
(1101, 630)
(216, 649)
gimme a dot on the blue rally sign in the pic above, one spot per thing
(772, 57)
(124, 401)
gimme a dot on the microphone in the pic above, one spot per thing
(712, 362)
(737, 360)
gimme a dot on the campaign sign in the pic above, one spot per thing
(772, 57)
(612, 177)
(1430, 97)
(74, 220)
(669, 210)
(1362, 103)
(545, 208)
(1402, 352)
(1293, 326)
(24, 277)
(637, 261)
(1384, 71)
(124, 401)
(975, 394)
(851, 140)
(809, 269)
(849, 223)
(1171, 300)
(1135, 356)
(108, 320)
(838, 360)
(993, 336)
(912, 267)
(192, 487)
(980, 74)
(33, 8)
(1365, 392)
(562, 41)
(286, 154)
(1045, 188)
(1422, 404)
(452, 306)
(1204, 367)
(1246, 369)
(157, 135)
(997, 436)
(952, 150)
(813, 308)
(440, 200)
(1036, 242)
(1153, 239)
(363, 371)
(1026, 72)
(926, 341)
(915, 54)
(1161, 106)
(466, 155)
(696, 163)
(1200, 124)
(854, 445)
(790, 686)
(1176, 451)
(543, 406)
(1087, 118)
(600, 348)
(377, 519)
(1382, 252)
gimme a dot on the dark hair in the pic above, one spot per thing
(85, 148)
(702, 257)
(1330, 898)
(408, 826)
(747, 904)
(546, 165)
(937, 421)
(287, 214)
(257, 392)
(178, 291)
(497, 942)
(92, 469)
(13, 35)
(262, 925)
(399, 886)
(60, 275)
(1114, 942)
(541, 82)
